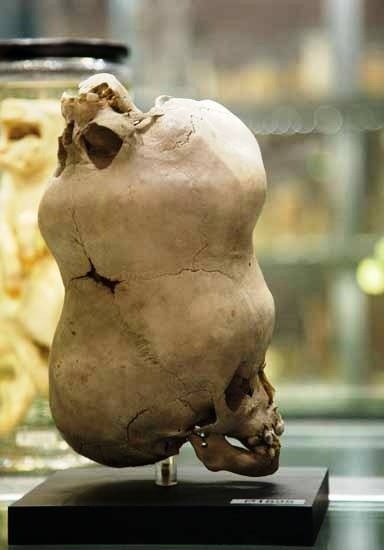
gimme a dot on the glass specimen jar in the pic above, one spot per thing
(33, 75)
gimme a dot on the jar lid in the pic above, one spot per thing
(32, 48)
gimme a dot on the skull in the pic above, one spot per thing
(167, 317)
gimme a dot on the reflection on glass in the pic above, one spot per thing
(31, 290)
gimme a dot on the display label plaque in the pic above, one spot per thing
(270, 501)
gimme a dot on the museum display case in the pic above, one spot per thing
(307, 78)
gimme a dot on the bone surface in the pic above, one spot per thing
(167, 317)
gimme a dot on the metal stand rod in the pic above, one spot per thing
(166, 472)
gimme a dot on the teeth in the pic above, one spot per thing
(92, 97)
(268, 437)
(272, 452)
(279, 428)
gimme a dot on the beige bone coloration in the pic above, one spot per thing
(167, 317)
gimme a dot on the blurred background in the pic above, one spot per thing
(308, 78)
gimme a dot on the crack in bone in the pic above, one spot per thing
(187, 269)
(185, 139)
(133, 419)
(150, 277)
(140, 342)
(186, 403)
(100, 279)
(198, 252)
(78, 237)
(181, 142)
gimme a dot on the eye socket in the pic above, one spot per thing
(238, 388)
(101, 144)
(19, 131)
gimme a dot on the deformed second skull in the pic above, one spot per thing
(167, 317)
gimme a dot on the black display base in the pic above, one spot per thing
(99, 505)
